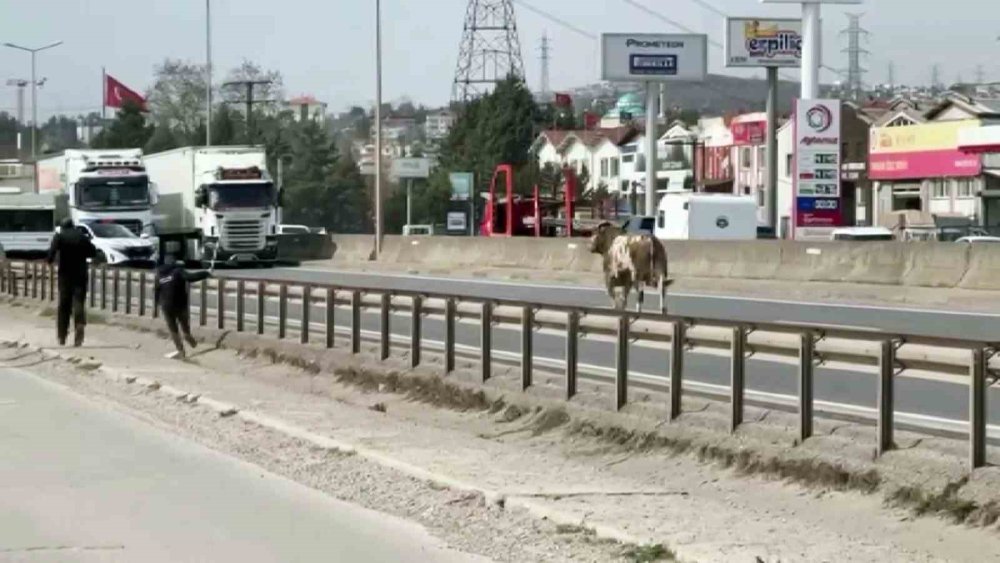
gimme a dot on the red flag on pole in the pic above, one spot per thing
(116, 94)
(563, 100)
(591, 120)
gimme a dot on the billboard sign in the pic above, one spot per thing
(749, 132)
(756, 42)
(411, 168)
(461, 185)
(817, 163)
(923, 150)
(651, 57)
(457, 222)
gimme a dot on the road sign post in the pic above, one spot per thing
(653, 59)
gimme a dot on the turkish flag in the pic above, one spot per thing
(591, 120)
(116, 94)
(563, 100)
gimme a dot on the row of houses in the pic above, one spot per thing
(898, 157)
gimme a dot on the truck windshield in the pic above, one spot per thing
(240, 196)
(113, 192)
(26, 221)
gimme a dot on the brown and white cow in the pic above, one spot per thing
(631, 261)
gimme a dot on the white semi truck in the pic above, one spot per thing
(216, 204)
(101, 186)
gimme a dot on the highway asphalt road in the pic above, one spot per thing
(80, 481)
(934, 398)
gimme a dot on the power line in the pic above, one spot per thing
(556, 19)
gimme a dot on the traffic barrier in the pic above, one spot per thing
(895, 354)
(352, 248)
(938, 264)
(983, 270)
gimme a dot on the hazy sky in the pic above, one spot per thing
(326, 48)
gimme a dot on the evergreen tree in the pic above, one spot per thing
(128, 130)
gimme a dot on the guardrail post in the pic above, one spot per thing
(104, 288)
(282, 310)
(330, 317)
(116, 278)
(241, 305)
(93, 287)
(34, 280)
(142, 293)
(306, 314)
(677, 341)
(977, 408)
(156, 297)
(220, 304)
(385, 336)
(203, 303)
(737, 377)
(807, 349)
(572, 352)
(3, 281)
(621, 363)
(128, 292)
(13, 282)
(44, 269)
(486, 341)
(27, 281)
(355, 322)
(415, 330)
(527, 334)
(261, 305)
(449, 335)
(52, 282)
(887, 367)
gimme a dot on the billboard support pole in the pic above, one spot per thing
(810, 50)
(772, 148)
(652, 95)
(409, 201)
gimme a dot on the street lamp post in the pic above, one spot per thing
(378, 128)
(208, 72)
(34, 91)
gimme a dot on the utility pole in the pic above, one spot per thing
(980, 75)
(249, 100)
(892, 76)
(854, 50)
(936, 78)
(20, 84)
(208, 72)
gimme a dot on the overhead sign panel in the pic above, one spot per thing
(760, 42)
(416, 168)
(651, 57)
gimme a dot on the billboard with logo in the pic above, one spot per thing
(924, 150)
(757, 42)
(749, 132)
(646, 57)
(817, 163)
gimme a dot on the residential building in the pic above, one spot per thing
(598, 152)
(307, 108)
(749, 134)
(918, 165)
(438, 124)
(714, 172)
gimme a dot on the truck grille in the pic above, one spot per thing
(132, 225)
(242, 235)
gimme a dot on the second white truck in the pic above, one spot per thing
(686, 216)
(216, 204)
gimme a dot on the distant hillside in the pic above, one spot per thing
(716, 96)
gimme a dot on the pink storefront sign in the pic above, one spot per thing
(923, 164)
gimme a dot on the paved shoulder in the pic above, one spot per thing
(82, 482)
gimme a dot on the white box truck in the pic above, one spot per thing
(105, 186)
(27, 223)
(692, 216)
(216, 204)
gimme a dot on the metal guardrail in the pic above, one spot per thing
(889, 355)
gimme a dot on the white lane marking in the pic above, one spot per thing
(577, 288)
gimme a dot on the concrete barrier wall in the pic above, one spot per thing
(352, 248)
(913, 264)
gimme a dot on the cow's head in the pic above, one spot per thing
(606, 232)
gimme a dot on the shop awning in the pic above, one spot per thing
(979, 140)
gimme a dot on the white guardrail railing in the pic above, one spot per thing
(887, 355)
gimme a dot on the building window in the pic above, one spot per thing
(788, 166)
(761, 197)
(604, 168)
(745, 159)
(940, 189)
(761, 157)
(614, 167)
(628, 158)
(965, 188)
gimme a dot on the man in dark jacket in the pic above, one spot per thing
(71, 248)
(172, 283)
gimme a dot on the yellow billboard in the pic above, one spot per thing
(936, 136)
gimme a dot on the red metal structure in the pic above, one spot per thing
(515, 215)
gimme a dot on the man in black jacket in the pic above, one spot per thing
(172, 282)
(71, 247)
